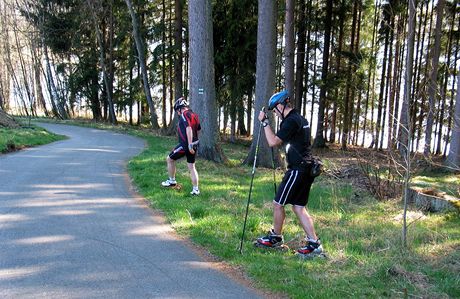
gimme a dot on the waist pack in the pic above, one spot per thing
(313, 166)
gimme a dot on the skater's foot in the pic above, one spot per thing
(270, 240)
(312, 248)
(169, 183)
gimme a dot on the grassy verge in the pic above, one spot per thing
(14, 139)
(361, 235)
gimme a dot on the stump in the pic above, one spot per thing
(432, 200)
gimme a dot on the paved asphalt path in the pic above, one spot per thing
(70, 228)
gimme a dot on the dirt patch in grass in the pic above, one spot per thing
(417, 279)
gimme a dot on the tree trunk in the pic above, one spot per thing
(111, 72)
(444, 88)
(433, 86)
(349, 102)
(386, 96)
(319, 138)
(382, 92)
(202, 88)
(105, 75)
(178, 87)
(404, 136)
(171, 60)
(405, 115)
(142, 64)
(307, 59)
(421, 90)
(371, 76)
(38, 86)
(332, 135)
(241, 127)
(289, 49)
(58, 110)
(163, 64)
(265, 79)
(249, 112)
(420, 39)
(300, 65)
(178, 61)
(453, 159)
(452, 95)
(394, 109)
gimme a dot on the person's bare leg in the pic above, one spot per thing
(278, 218)
(171, 167)
(193, 174)
(306, 221)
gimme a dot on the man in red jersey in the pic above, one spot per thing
(187, 131)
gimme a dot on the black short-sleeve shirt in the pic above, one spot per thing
(295, 133)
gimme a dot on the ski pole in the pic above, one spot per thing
(250, 188)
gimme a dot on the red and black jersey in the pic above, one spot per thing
(188, 119)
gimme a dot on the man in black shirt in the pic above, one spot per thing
(187, 131)
(294, 189)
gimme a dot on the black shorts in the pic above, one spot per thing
(294, 188)
(179, 151)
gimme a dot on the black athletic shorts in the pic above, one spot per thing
(179, 151)
(294, 188)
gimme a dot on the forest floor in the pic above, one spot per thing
(380, 172)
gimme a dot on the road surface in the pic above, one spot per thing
(71, 228)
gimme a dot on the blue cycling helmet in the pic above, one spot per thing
(281, 97)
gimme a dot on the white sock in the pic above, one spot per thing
(312, 240)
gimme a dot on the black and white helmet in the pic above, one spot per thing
(180, 103)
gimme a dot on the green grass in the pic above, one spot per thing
(14, 139)
(361, 235)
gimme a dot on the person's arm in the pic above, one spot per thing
(189, 133)
(272, 139)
